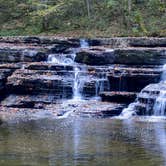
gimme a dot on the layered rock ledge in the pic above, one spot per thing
(130, 56)
(36, 82)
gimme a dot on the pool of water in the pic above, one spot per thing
(83, 141)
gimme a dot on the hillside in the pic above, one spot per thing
(83, 17)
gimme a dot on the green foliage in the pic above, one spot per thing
(107, 17)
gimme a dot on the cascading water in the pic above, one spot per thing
(160, 104)
(81, 74)
(159, 107)
(68, 59)
(84, 43)
(76, 92)
(77, 70)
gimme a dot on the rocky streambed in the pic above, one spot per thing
(57, 77)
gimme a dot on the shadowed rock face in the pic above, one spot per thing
(129, 42)
(120, 97)
(26, 55)
(114, 42)
(95, 56)
(29, 86)
(39, 81)
(4, 73)
(130, 56)
(145, 56)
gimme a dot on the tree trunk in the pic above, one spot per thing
(88, 8)
(129, 6)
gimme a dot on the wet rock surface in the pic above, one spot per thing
(114, 42)
(144, 56)
(38, 76)
(4, 73)
(130, 42)
(96, 56)
(146, 100)
(120, 97)
(12, 55)
(133, 79)
(34, 106)
(39, 81)
(130, 56)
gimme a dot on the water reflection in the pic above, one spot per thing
(83, 142)
(160, 135)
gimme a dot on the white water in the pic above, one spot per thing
(159, 108)
(76, 93)
(84, 43)
(64, 59)
(160, 104)
(77, 70)
(81, 74)
(61, 59)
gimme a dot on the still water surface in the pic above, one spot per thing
(79, 142)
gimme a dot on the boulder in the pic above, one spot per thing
(118, 97)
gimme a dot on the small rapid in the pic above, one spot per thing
(152, 100)
(81, 74)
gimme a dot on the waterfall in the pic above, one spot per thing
(159, 107)
(60, 59)
(80, 72)
(77, 73)
(84, 43)
(160, 104)
(76, 92)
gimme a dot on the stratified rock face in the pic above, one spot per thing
(133, 79)
(146, 99)
(38, 76)
(25, 55)
(95, 56)
(120, 97)
(144, 56)
(41, 41)
(4, 73)
(129, 42)
(130, 56)
(41, 81)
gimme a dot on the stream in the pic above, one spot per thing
(57, 111)
(81, 141)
